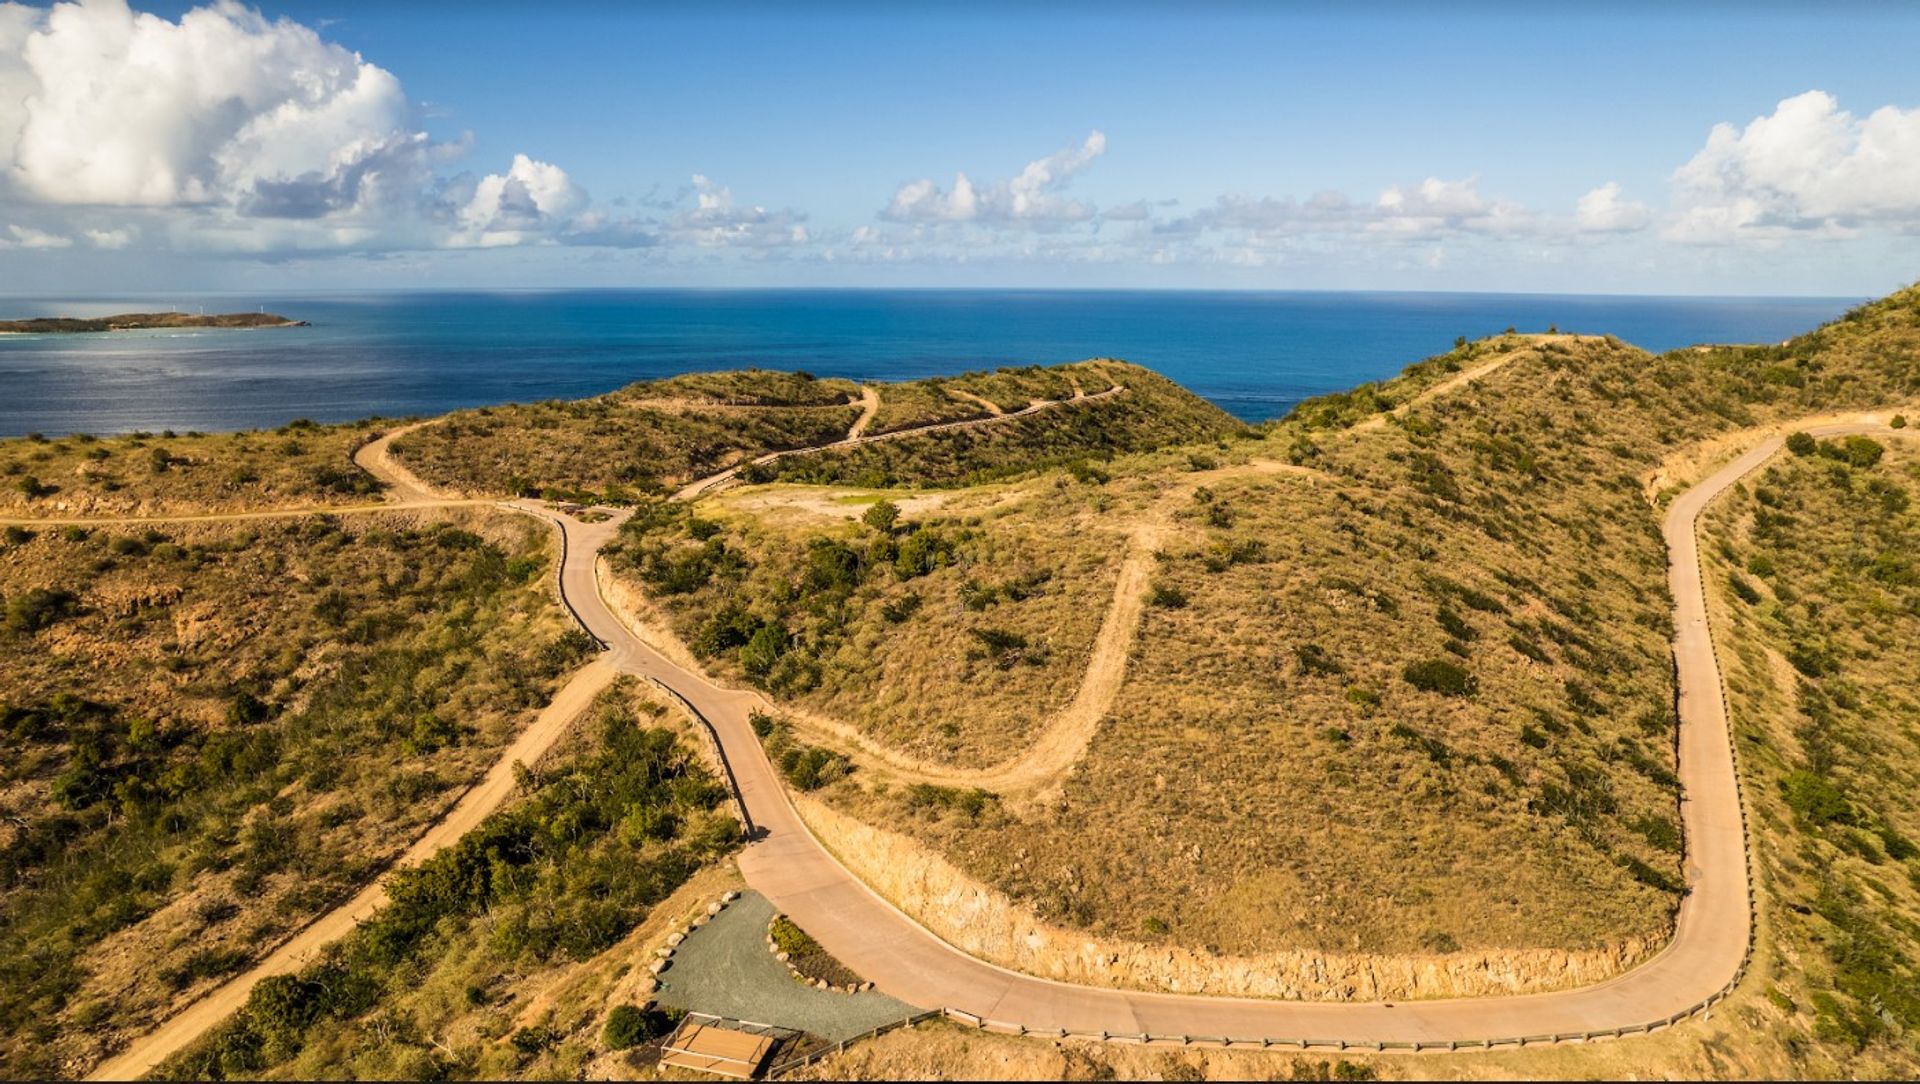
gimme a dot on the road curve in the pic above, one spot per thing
(703, 486)
(786, 863)
(1706, 955)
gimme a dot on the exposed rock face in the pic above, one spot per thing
(991, 926)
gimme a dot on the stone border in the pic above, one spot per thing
(818, 984)
(676, 937)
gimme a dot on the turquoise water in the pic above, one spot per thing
(1255, 354)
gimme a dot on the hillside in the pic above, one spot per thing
(184, 473)
(218, 730)
(1465, 623)
(604, 832)
(651, 437)
(1376, 703)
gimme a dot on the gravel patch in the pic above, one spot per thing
(724, 968)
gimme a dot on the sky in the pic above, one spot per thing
(1747, 149)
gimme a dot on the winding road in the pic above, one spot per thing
(1705, 957)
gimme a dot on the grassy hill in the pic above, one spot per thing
(184, 473)
(1397, 686)
(1445, 665)
(216, 732)
(653, 436)
(498, 956)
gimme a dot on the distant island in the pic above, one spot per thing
(135, 321)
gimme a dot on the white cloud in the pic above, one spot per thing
(228, 131)
(28, 237)
(111, 239)
(715, 220)
(128, 109)
(527, 201)
(1604, 210)
(1435, 206)
(1430, 209)
(1033, 198)
(1809, 168)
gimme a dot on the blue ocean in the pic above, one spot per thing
(398, 354)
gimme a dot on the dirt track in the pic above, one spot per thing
(1062, 738)
(474, 806)
(703, 486)
(870, 935)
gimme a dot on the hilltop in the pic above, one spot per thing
(1375, 702)
(138, 321)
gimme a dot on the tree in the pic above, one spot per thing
(881, 516)
(1802, 444)
(764, 649)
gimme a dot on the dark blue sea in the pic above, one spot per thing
(396, 354)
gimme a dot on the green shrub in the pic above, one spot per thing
(791, 939)
(1802, 444)
(1440, 676)
(629, 1025)
(970, 802)
(1167, 596)
(763, 650)
(1815, 798)
(532, 1040)
(1313, 659)
(900, 609)
(881, 516)
(38, 608)
(1004, 648)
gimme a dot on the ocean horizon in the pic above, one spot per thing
(403, 353)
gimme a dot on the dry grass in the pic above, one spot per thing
(174, 473)
(1152, 412)
(904, 658)
(1270, 777)
(746, 387)
(917, 403)
(608, 447)
(218, 732)
(1821, 642)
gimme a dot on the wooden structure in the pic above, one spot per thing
(729, 1048)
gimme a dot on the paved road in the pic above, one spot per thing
(870, 935)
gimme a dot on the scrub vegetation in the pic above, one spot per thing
(612, 449)
(217, 732)
(1412, 696)
(1423, 708)
(651, 437)
(1821, 558)
(435, 986)
(946, 635)
(300, 463)
(1152, 412)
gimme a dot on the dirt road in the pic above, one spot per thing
(787, 864)
(474, 806)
